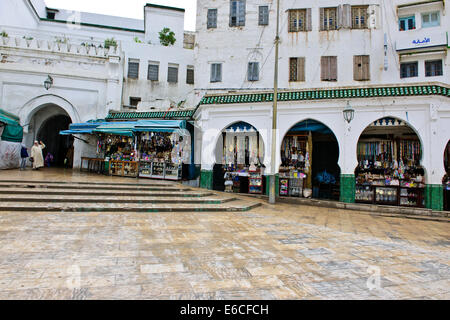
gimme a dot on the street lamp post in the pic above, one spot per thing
(272, 195)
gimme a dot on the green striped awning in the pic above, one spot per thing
(167, 115)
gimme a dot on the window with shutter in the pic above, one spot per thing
(409, 70)
(297, 69)
(253, 71)
(407, 23)
(216, 72)
(361, 68)
(433, 68)
(190, 75)
(263, 15)
(153, 72)
(329, 68)
(133, 69)
(212, 18)
(328, 19)
(297, 20)
(237, 13)
(431, 19)
(359, 17)
(172, 74)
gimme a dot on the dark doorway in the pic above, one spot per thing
(57, 145)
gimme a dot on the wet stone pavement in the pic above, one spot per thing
(270, 252)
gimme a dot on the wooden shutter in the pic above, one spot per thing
(301, 69)
(344, 16)
(322, 18)
(233, 13)
(293, 66)
(212, 18)
(366, 67)
(308, 20)
(153, 72)
(324, 68)
(172, 75)
(357, 68)
(333, 68)
(133, 70)
(190, 76)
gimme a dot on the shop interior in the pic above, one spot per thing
(309, 168)
(389, 170)
(239, 157)
(446, 180)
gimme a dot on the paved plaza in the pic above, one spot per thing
(269, 252)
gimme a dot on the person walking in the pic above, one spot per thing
(24, 156)
(36, 155)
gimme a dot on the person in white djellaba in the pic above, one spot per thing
(36, 155)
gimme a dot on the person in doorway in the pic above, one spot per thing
(36, 155)
(24, 156)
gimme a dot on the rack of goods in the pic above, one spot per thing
(158, 170)
(172, 172)
(123, 168)
(145, 169)
(255, 182)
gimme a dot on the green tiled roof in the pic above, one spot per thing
(320, 94)
(179, 115)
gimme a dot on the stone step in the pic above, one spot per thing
(38, 198)
(87, 192)
(90, 187)
(9, 206)
(139, 182)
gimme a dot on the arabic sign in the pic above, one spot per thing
(421, 40)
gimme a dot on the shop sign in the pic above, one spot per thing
(421, 40)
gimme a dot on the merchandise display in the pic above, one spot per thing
(389, 172)
(120, 153)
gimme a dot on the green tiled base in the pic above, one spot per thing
(206, 179)
(347, 188)
(277, 185)
(434, 197)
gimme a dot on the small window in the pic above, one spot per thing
(172, 74)
(328, 68)
(212, 19)
(51, 15)
(153, 72)
(216, 72)
(190, 75)
(328, 19)
(409, 70)
(134, 101)
(263, 15)
(297, 20)
(407, 23)
(253, 71)
(433, 68)
(297, 69)
(361, 68)
(133, 69)
(359, 17)
(431, 19)
(237, 13)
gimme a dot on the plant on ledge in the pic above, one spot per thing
(137, 40)
(110, 43)
(167, 37)
(4, 34)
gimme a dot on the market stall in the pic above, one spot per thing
(389, 171)
(11, 135)
(241, 150)
(446, 180)
(309, 155)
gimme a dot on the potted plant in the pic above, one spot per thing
(167, 37)
(137, 40)
(28, 40)
(110, 43)
(5, 37)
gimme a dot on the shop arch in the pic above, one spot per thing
(389, 171)
(239, 148)
(309, 161)
(446, 179)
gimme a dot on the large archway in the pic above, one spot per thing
(47, 122)
(389, 170)
(239, 155)
(309, 162)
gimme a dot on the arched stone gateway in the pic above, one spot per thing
(309, 162)
(389, 170)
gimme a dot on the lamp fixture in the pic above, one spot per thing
(349, 113)
(48, 83)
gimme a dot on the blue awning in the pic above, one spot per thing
(159, 125)
(241, 127)
(118, 128)
(82, 128)
(311, 125)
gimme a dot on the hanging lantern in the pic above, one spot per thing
(349, 113)
(48, 83)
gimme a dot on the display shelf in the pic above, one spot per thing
(123, 168)
(390, 195)
(255, 182)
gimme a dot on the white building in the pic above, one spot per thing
(384, 58)
(89, 77)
